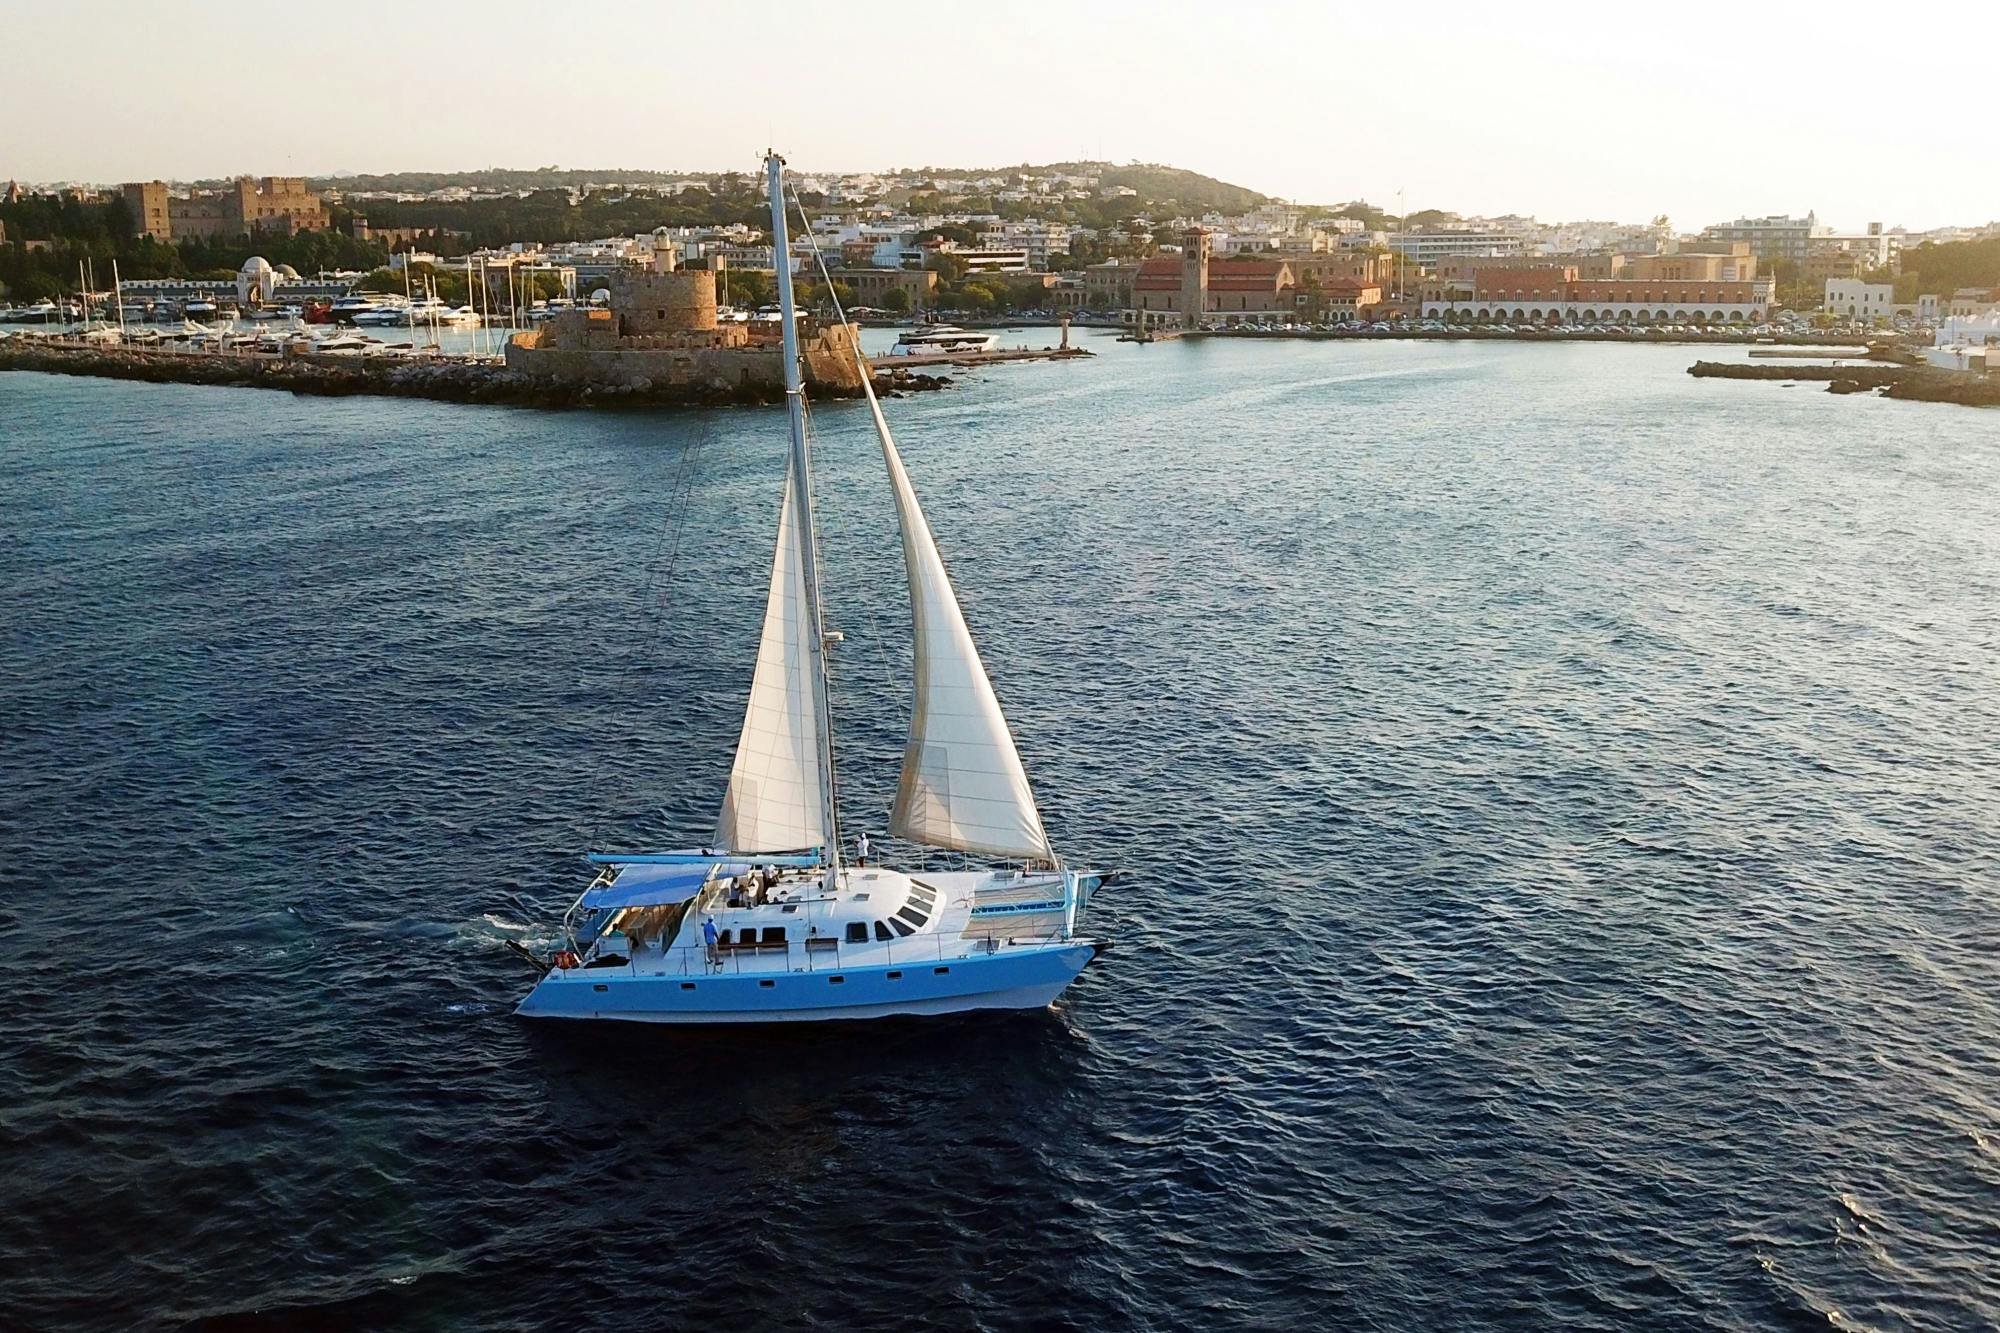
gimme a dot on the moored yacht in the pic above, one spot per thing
(388, 310)
(348, 309)
(943, 338)
(770, 922)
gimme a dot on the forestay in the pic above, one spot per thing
(775, 798)
(962, 785)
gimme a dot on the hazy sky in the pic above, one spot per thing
(1605, 110)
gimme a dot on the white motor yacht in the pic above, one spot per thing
(387, 310)
(943, 338)
(346, 309)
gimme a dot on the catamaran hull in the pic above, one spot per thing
(1030, 979)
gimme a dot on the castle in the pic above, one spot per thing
(276, 205)
(661, 330)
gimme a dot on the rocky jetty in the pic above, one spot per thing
(1915, 383)
(441, 378)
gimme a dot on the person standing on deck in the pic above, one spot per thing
(861, 849)
(708, 939)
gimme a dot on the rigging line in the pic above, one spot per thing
(819, 258)
(656, 593)
(825, 654)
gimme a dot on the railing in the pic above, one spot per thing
(827, 954)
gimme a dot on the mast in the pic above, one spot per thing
(802, 497)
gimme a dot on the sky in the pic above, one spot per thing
(1563, 111)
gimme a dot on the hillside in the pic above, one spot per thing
(1158, 187)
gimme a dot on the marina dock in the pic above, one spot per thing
(967, 360)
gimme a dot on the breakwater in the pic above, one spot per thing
(444, 379)
(1916, 383)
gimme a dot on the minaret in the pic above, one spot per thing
(1194, 276)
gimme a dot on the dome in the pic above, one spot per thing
(287, 271)
(255, 281)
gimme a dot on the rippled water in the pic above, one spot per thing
(1558, 796)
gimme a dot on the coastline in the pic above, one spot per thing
(1921, 384)
(439, 379)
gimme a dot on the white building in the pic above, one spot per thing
(1428, 247)
(1866, 302)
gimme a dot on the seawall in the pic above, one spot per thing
(440, 379)
(1916, 383)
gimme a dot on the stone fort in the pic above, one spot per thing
(660, 329)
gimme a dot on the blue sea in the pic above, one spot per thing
(1558, 801)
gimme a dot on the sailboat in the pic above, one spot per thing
(767, 921)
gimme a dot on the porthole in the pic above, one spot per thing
(600, 988)
(836, 981)
(687, 985)
(767, 984)
(939, 971)
(895, 976)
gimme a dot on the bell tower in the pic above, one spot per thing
(1194, 276)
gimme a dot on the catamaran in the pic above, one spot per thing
(768, 922)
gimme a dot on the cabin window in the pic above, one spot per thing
(882, 931)
(836, 981)
(600, 988)
(910, 914)
(767, 984)
(687, 985)
(789, 907)
(723, 938)
(774, 934)
(902, 929)
(895, 976)
(940, 971)
(857, 932)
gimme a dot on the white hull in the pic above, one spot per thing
(1008, 979)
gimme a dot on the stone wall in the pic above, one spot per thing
(757, 370)
(649, 302)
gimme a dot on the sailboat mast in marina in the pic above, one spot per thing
(766, 922)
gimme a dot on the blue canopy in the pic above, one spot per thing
(655, 885)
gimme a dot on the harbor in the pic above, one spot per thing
(404, 371)
(1104, 693)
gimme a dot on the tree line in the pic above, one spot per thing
(1941, 270)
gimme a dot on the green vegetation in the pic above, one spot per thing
(1193, 192)
(991, 293)
(542, 210)
(746, 288)
(547, 216)
(1942, 269)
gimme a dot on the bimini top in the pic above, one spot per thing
(657, 885)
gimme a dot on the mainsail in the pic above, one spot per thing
(776, 799)
(962, 786)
